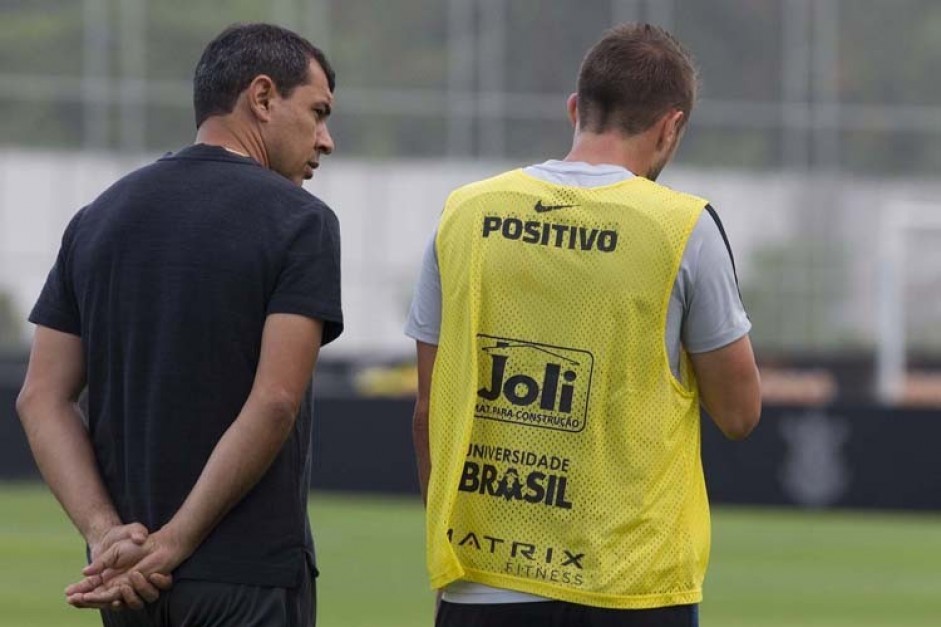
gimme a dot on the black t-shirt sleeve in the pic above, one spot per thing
(57, 307)
(309, 282)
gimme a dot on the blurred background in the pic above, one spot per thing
(817, 138)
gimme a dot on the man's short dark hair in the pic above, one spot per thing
(241, 52)
(635, 74)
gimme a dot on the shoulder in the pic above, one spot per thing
(714, 237)
(307, 222)
(499, 183)
(283, 200)
(310, 209)
(292, 198)
(138, 178)
(673, 197)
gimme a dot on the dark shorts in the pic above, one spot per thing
(561, 614)
(191, 603)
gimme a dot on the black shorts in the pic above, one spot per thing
(191, 603)
(561, 614)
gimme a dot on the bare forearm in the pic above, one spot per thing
(730, 387)
(238, 462)
(422, 451)
(426, 355)
(64, 455)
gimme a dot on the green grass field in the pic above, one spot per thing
(770, 568)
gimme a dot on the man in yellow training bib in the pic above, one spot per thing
(570, 318)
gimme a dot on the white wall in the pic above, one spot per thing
(388, 209)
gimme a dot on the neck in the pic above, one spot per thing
(632, 153)
(225, 132)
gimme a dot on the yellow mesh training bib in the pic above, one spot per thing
(565, 454)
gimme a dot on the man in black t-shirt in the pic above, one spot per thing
(191, 298)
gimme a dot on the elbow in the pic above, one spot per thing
(25, 402)
(740, 429)
(281, 407)
(736, 419)
(738, 425)
(737, 410)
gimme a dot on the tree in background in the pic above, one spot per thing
(403, 55)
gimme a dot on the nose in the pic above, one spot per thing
(325, 143)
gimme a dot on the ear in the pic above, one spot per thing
(259, 94)
(671, 127)
(572, 106)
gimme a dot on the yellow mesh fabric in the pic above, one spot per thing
(565, 454)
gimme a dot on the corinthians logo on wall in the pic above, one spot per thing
(815, 471)
(532, 384)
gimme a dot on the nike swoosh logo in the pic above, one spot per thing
(541, 208)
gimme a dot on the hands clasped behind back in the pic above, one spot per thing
(129, 568)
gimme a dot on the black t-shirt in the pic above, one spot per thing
(168, 277)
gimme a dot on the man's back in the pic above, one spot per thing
(579, 427)
(171, 274)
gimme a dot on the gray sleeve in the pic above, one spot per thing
(424, 316)
(714, 313)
